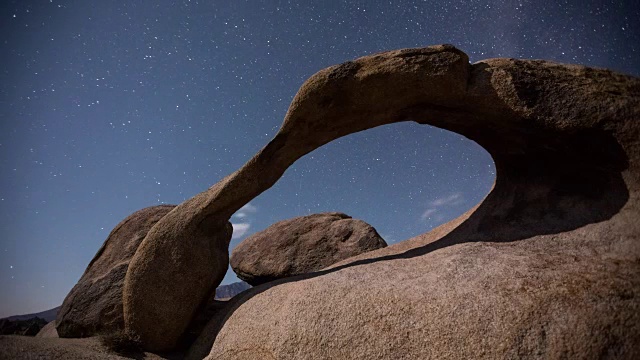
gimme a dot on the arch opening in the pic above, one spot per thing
(404, 179)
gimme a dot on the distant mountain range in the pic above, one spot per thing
(231, 290)
(28, 324)
(222, 292)
(48, 315)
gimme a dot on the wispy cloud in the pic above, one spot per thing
(437, 205)
(428, 213)
(240, 229)
(245, 211)
(244, 215)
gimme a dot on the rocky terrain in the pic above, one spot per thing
(546, 266)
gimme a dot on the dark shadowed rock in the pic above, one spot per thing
(94, 305)
(29, 327)
(212, 308)
(547, 266)
(302, 245)
(34, 327)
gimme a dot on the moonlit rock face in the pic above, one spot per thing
(547, 265)
(302, 245)
(94, 305)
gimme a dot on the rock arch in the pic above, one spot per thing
(564, 140)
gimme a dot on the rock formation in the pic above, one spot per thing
(548, 265)
(48, 331)
(94, 305)
(302, 245)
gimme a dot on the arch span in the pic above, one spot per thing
(563, 139)
(556, 157)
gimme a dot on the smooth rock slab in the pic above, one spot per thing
(302, 245)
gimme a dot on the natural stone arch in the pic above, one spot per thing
(405, 173)
(562, 139)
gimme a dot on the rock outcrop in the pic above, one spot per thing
(302, 245)
(48, 331)
(94, 305)
(548, 265)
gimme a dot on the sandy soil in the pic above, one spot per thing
(24, 347)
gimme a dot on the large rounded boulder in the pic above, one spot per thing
(302, 245)
(94, 305)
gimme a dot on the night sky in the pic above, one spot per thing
(107, 107)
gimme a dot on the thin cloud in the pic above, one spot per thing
(244, 211)
(452, 199)
(428, 213)
(244, 214)
(438, 204)
(240, 229)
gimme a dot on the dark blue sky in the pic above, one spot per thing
(107, 107)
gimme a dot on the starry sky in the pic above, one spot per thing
(107, 107)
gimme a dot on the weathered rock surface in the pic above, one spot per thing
(547, 266)
(94, 305)
(302, 245)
